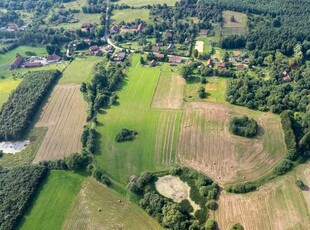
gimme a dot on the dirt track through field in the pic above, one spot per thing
(64, 116)
(206, 144)
(277, 205)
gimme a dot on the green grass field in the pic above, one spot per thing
(80, 70)
(130, 15)
(155, 146)
(239, 26)
(145, 2)
(216, 89)
(93, 196)
(54, 199)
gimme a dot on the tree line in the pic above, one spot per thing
(17, 114)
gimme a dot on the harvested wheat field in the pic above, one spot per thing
(98, 207)
(64, 116)
(199, 46)
(277, 205)
(169, 91)
(206, 143)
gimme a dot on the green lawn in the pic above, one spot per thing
(216, 89)
(130, 15)
(54, 199)
(80, 70)
(146, 2)
(155, 146)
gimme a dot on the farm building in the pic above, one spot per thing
(204, 32)
(17, 62)
(33, 64)
(175, 59)
(158, 56)
(52, 58)
(221, 65)
(156, 48)
(114, 29)
(94, 48)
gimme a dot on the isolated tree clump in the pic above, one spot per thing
(300, 184)
(237, 227)
(243, 126)
(125, 135)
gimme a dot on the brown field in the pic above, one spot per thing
(206, 144)
(278, 205)
(169, 91)
(64, 116)
(97, 207)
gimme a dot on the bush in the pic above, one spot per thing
(289, 136)
(237, 227)
(125, 135)
(210, 224)
(243, 126)
(212, 205)
(283, 167)
(202, 92)
(242, 188)
(300, 184)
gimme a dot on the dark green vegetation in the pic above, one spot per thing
(300, 184)
(243, 126)
(19, 111)
(126, 135)
(237, 227)
(173, 215)
(17, 187)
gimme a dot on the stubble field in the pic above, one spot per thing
(206, 143)
(64, 115)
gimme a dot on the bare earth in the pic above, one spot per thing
(207, 145)
(64, 116)
(276, 206)
(199, 46)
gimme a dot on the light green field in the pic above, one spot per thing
(155, 146)
(239, 26)
(216, 89)
(7, 85)
(53, 201)
(93, 196)
(130, 15)
(80, 70)
(26, 155)
(146, 2)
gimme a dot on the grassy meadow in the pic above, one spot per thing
(138, 3)
(155, 146)
(239, 26)
(113, 214)
(130, 15)
(55, 197)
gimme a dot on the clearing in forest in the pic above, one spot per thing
(130, 15)
(158, 129)
(199, 46)
(52, 202)
(147, 2)
(64, 115)
(277, 205)
(99, 207)
(206, 143)
(237, 26)
(169, 90)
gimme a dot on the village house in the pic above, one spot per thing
(210, 63)
(221, 65)
(175, 59)
(12, 28)
(168, 35)
(204, 32)
(153, 63)
(94, 48)
(17, 62)
(240, 66)
(52, 58)
(114, 29)
(87, 25)
(156, 48)
(286, 77)
(99, 53)
(119, 56)
(170, 47)
(186, 41)
(158, 56)
(140, 27)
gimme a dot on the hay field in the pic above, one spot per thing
(169, 90)
(158, 129)
(130, 15)
(56, 195)
(137, 3)
(94, 196)
(64, 116)
(206, 143)
(277, 205)
(239, 26)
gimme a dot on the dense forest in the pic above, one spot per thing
(22, 106)
(17, 187)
